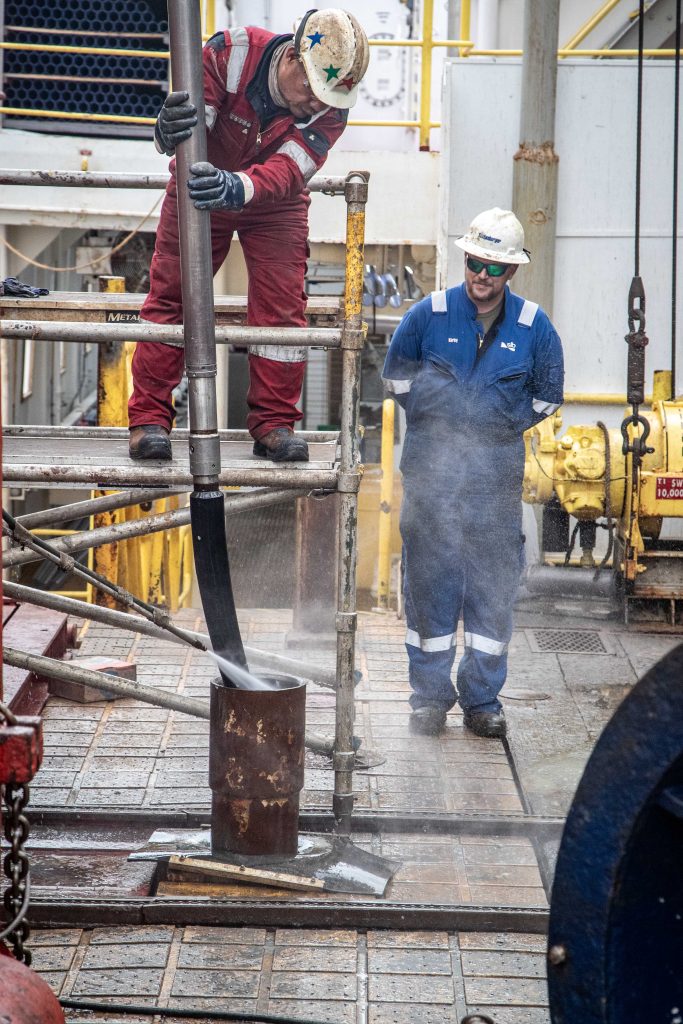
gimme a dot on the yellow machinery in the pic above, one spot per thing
(586, 471)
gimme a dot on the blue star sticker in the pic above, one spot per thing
(316, 38)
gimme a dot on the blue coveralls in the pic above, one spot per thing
(467, 407)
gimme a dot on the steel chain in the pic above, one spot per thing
(16, 867)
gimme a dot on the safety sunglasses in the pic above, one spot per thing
(492, 269)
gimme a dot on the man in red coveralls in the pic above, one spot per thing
(275, 104)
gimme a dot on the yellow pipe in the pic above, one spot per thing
(80, 595)
(66, 116)
(589, 25)
(385, 498)
(185, 595)
(426, 72)
(616, 53)
(594, 398)
(662, 386)
(465, 24)
(355, 247)
(210, 11)
(102, 51)
(111, 412)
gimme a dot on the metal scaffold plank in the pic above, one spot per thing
(89, 455)
(124, 307)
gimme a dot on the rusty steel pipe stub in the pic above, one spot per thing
(256, 767)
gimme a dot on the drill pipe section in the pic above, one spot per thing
(76, 332)
(51, 668)
(327, 184)
(194, 228)
(209, 540)
(256, 767)
(74, 543)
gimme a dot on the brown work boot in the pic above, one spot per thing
(149, 442)
(282, 445)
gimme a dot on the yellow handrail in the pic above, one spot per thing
(426, 43)
(102, 51)
(465, 16)
(589, 25)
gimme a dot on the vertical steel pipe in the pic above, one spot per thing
(206, 502)
(534, 188)
(349, 479)
(195, 252)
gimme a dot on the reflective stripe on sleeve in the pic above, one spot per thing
(529, 311)
(397, 387)
(300, 157)
(484, 644)
(430, 644)
(239, 51)
(279, 353)
(439, 304)
(210, 114)
(545, 408)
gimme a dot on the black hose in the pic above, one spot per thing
(674, 213)
(184, 1011)
(608, 500)
(209, 542)
(639, 132)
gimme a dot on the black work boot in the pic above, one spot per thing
(489, 724)
(429, 720)
(149, 442)
(282, 445)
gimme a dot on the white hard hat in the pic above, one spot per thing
(495, 235)
(334, 51)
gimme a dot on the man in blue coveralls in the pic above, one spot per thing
(473, 367)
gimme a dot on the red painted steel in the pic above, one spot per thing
(21, 750)
(24, 997)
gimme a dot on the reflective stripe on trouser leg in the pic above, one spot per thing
(494, 562)
(433, 596)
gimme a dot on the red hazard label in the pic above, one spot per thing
(670, 487)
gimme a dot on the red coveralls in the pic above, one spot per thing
(272, 228)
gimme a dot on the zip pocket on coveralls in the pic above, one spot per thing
(509, 397)
(435, 393)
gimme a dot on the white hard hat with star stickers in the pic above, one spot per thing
(334, 51)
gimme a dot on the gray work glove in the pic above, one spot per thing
(213, 189)
(175, 122)
(10, 286)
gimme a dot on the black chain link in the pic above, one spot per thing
(16, 868)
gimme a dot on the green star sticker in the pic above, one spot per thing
(331, 72)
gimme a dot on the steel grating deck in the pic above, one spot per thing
(474, 823)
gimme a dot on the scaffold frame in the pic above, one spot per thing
(341, 471)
